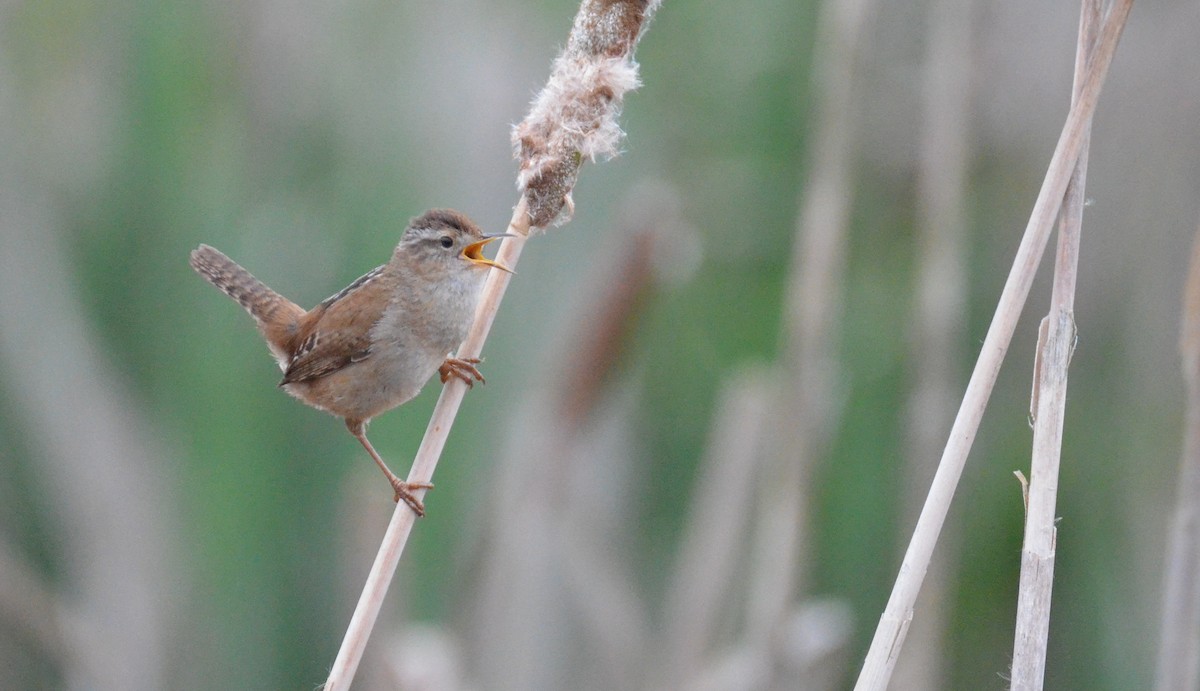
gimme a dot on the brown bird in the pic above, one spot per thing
(372, 345)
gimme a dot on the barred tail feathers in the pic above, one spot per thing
(274, 314)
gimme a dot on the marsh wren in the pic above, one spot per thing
(372, 345)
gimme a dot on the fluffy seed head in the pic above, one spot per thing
(575, 115)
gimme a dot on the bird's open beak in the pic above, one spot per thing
(474, 252)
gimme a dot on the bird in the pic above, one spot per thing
(374, 344)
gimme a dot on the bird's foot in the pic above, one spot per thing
(463, 368)
(404, 491)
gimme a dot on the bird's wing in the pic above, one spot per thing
(337, 332)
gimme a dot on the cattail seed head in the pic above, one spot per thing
(575, 115)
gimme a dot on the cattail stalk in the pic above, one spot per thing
(1179, 637)
(940, 309)
(1056, 342)
(805, 411)
(893, 624)
(717, 523)
(97, 456)
(574, 118)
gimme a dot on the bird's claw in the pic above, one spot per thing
(404, 491)
(462, 368)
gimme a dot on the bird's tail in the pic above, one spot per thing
(274, 313)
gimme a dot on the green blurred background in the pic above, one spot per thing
(163, 507)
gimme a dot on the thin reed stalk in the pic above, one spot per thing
(28, 606)
(805, 409)
(940, 309)
(893, 624)
(1179, 638)
(1056, 342)
(573, 119)
(715, 529)
(98, 456)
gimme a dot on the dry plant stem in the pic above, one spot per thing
(30, 608)
(940, 310)
(715, 528)
(1050, 383)
(97, 455)
(806, 396)
(893, 624)
(1179, 641)
(426, 460)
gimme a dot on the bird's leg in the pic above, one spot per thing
(463, 368)
(403, 489)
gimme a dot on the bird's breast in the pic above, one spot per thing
(432, 320)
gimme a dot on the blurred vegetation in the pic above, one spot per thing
(300, 138)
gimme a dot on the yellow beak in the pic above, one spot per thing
(474, 252)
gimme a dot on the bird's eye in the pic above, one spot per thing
(446, 241)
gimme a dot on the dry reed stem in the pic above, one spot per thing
(893, 624)
(608, 609)
(97, 457)
(714, 532)
(422, 657)
(29, 607)
(808, 381)
(1050, 395)
(809, 651)
(940, 307)
(1179, 642)
(573, 118)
